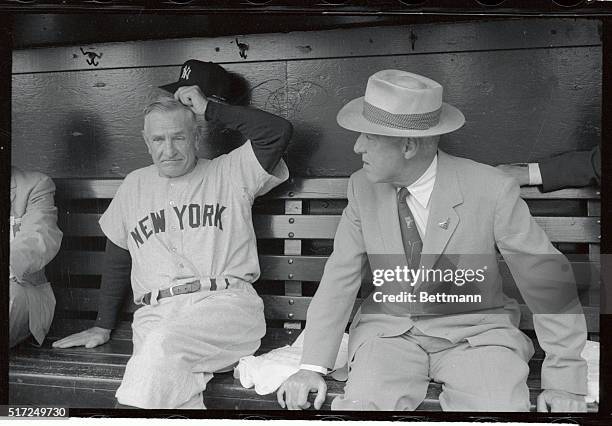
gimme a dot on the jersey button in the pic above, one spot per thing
(172, 203)
(181, 265)
(173, 249)
(173, 228)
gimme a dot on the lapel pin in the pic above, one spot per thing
(444, 225)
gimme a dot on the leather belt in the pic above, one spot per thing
(190, 287)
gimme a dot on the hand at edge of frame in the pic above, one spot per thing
(558, 401)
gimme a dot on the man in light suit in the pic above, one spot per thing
(35, 240)
(413, 202)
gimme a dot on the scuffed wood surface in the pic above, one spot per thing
(89, 124)
(396, 40)
(520, 105)
(528, 88)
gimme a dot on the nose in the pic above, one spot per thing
(168, 148)
(360, 145)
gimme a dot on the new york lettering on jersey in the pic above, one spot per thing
(188, 216)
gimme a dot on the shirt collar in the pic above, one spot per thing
(422, 188)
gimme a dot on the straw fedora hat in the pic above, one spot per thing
(400, 103)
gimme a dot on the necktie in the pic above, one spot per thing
(410, 234)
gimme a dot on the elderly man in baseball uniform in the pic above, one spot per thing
(436, 211)
(186, 225)
(35, 240)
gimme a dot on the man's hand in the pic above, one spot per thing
(89, 338)
(560, 402)
(192, 97)
(520, 173)
(296, 388)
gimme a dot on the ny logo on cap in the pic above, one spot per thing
(186, 72)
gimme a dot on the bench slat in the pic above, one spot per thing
(308, 227)
(275, 307)
(90, 396)
(119, 348)
(296, 188)
(278, 267)
(76, 188)
(570, 229)
(63, 376)
(96, 379)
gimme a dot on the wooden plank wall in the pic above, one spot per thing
(529, 88)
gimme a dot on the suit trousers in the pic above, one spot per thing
(19, 327)
(182, 340)
(31, 309)
(393, 373)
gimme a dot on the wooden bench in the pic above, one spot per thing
(295, 226)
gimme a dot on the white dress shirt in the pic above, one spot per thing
(418, 203)
(535, 177)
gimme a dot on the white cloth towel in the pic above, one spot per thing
(268, 371)
(590, 353)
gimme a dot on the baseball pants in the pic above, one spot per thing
(182, 340)
(393, 373)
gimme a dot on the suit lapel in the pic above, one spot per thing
(443, 218)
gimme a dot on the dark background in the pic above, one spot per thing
(529, 88)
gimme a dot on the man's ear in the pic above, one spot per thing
(410, 147)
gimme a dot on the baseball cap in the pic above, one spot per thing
(213, 79)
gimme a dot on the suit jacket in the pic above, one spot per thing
(483, 210)
(571, 169)
(35, 240)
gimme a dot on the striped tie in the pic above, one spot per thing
(410, 234)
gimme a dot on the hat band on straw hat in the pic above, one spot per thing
(422, 121)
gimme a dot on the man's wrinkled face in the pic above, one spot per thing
(172, 140)
(382, 156)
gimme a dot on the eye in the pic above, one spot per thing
(179, 138)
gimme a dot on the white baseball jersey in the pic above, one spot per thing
(192, 226)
